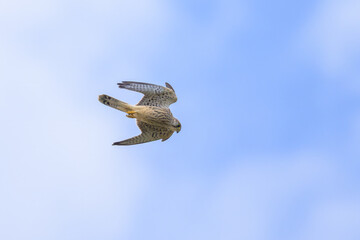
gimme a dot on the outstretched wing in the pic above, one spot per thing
(149, 133)
(154, 95)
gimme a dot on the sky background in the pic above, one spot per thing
(268, 97)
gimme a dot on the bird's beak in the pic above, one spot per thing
(178, 130)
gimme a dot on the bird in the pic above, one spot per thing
(152, 113)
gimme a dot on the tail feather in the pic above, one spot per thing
(114, 103)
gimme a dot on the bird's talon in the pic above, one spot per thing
(130, 115)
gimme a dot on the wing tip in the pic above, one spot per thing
(169, 86)
(121, 85)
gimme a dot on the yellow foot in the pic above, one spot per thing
(130, 116)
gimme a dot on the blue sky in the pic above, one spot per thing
(268, 97)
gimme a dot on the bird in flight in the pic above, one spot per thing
(152, 113)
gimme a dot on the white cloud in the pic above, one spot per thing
(59, 169)
(331, 38)
(334, 219)
(73, 35)
(205, 40)
(275, 198)
(60, 176)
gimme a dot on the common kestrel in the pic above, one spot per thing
(152, 113)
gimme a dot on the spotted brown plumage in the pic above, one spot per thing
(153, 115)
(149, 133)
(154, 95)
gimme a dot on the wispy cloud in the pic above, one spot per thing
(334, 219)
(283, 197)
(331, 37)
(60, 177)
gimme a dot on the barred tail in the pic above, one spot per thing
(114, 103)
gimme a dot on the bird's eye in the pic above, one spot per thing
(178, 125)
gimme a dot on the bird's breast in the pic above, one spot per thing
(155, 116)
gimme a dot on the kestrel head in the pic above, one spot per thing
(177, 125)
